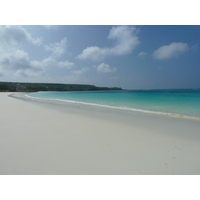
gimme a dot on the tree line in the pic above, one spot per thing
(35, 87)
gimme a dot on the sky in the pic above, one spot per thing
(130, 57)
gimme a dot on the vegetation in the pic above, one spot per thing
(6, 87)
(35, 87)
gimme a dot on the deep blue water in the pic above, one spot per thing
(182, 102)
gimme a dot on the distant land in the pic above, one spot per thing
(35, 87)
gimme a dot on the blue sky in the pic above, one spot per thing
(131, 57)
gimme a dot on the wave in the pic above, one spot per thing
(123, 108)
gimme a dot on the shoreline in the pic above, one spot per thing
(123, 109)
(45, 137)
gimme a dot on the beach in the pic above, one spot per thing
(46, 137)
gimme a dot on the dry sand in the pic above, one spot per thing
(45, 137)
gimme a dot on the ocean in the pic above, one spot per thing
(181, 103)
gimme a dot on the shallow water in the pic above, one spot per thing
(172, 102)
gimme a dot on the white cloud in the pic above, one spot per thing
(14, 60)
(65, 64)
(15, 63)
(30, 73)
(51, 62)
(142, 54)
(20, 74)
(169, 51)
(94, 53)
(81, 71)
(57, 49)
(18, 64)
(15, 35)
(105, 68)
(47, 62)
(125, 41)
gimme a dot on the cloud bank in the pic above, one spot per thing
(18, 64)
(169, 51)
(15, 62)
(15, 35)
(125, 41)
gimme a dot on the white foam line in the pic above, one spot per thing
(120, 108)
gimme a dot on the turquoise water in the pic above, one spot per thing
(180, 102)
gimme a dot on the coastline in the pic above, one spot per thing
(169, 113)
(47, 137)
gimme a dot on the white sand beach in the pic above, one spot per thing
(40, 137)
